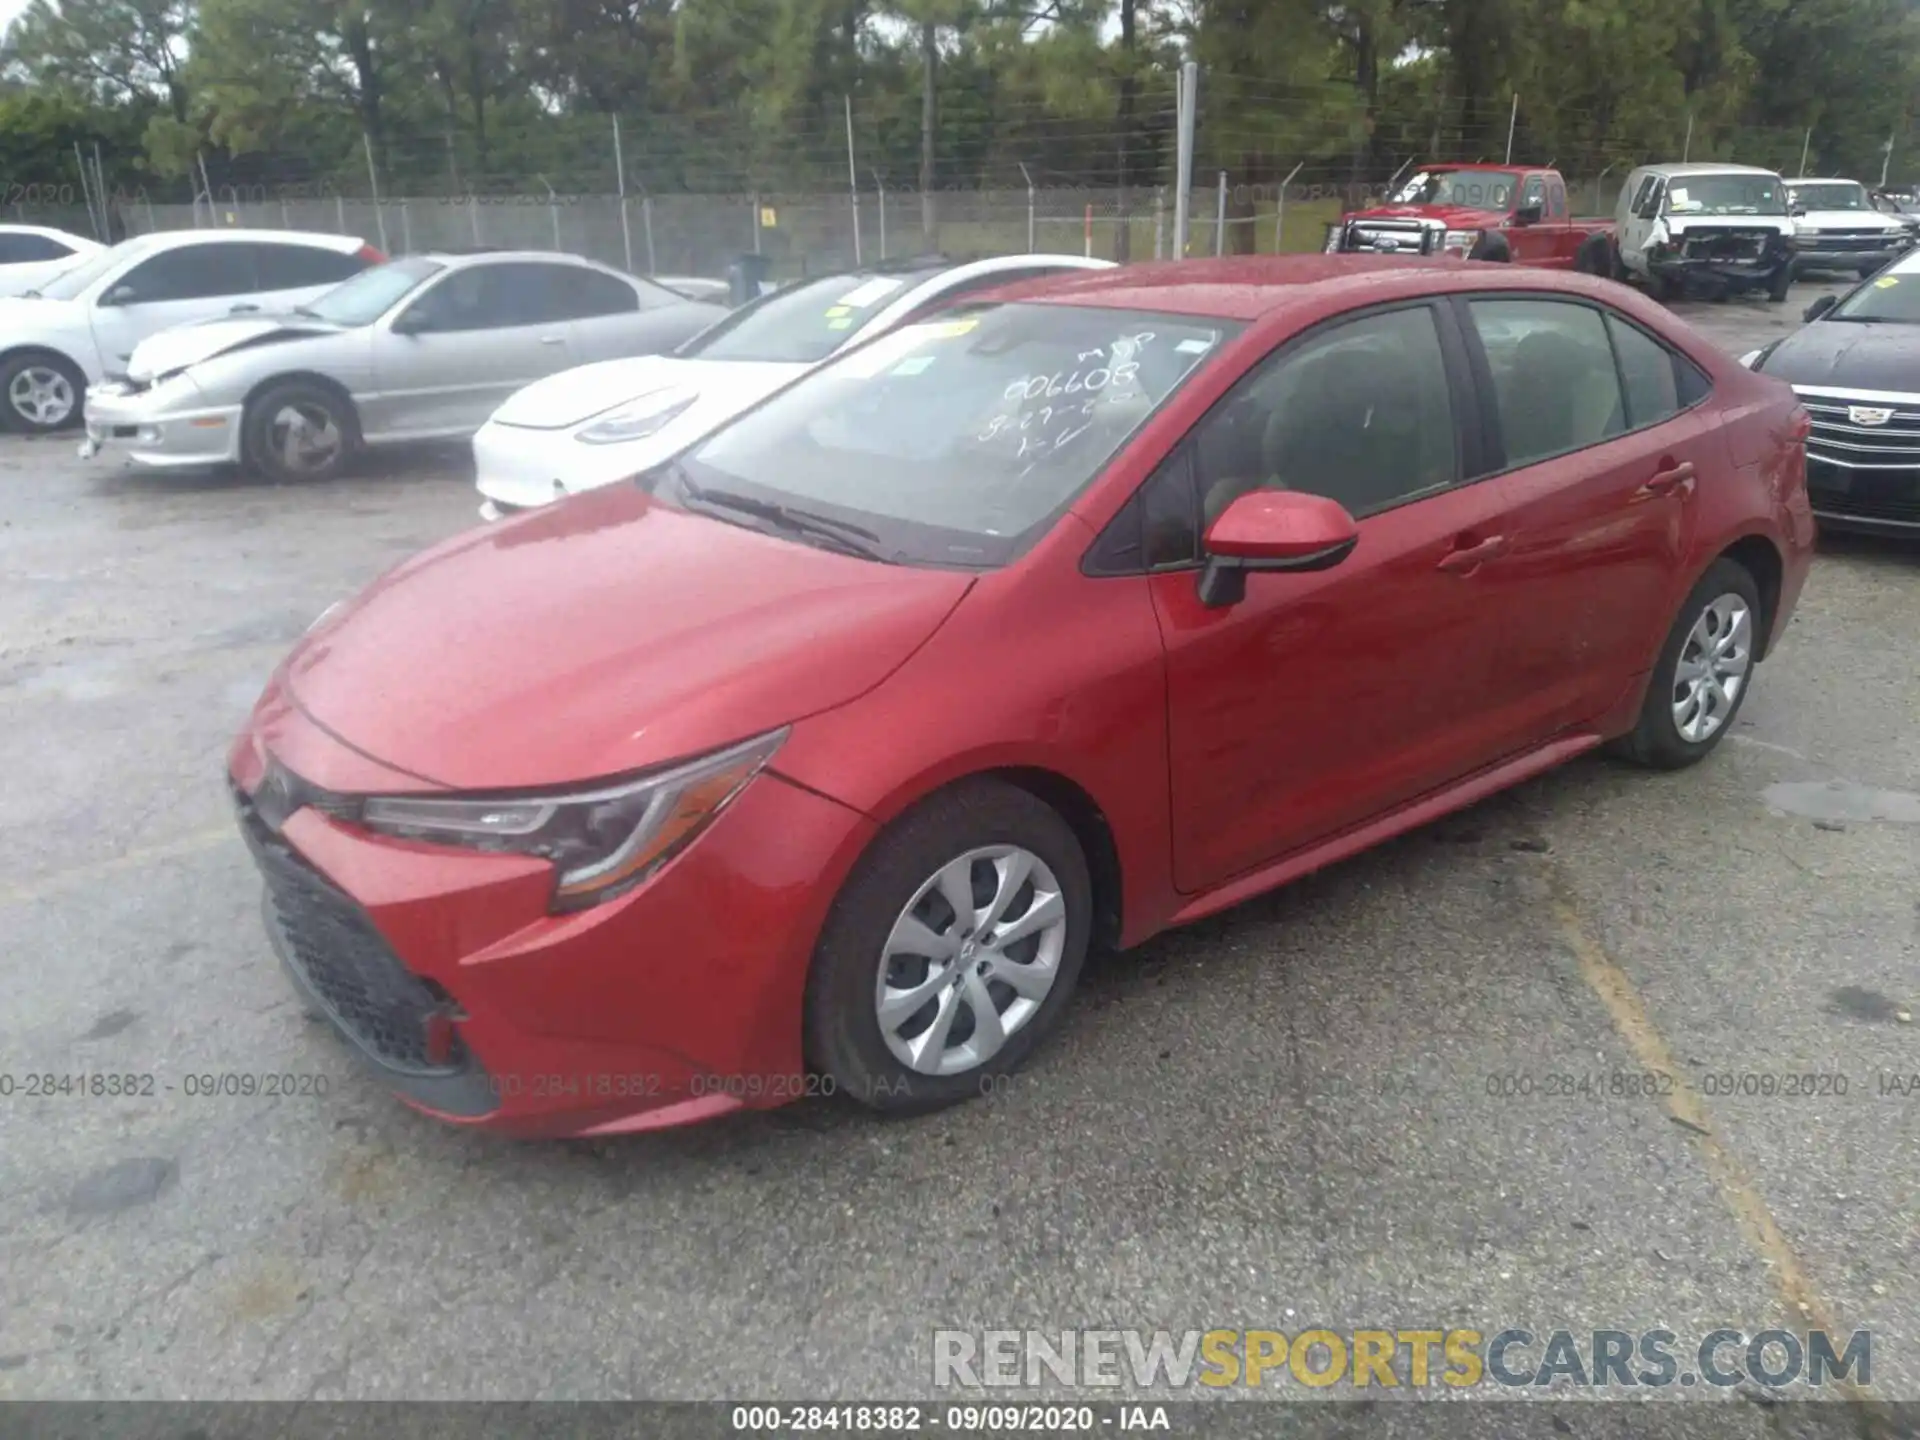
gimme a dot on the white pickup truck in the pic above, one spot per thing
(1840, 228)
(1721, 228)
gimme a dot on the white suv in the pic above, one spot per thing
(1840, 228)
(79, 327)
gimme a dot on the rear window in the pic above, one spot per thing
(301, 267)
(803, 323)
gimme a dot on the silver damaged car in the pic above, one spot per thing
(421, 348)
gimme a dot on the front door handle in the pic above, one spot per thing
(1669, 478)
(553, 339)
(1468, 558)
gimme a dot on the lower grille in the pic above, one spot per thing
(1727, 245)
(1394, 237)
(393, 1014)
(1839, 437)
(1883, 494)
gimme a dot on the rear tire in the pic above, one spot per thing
(1594, 257)
(1703, 673)
(1781, 285)
(40, 392)
(859, 1014)
(1491, 247)
(299, 431)
(1619, 266)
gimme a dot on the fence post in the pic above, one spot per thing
(406, 229)
(1513, 119)
(1686, 146)
(1280, 212)
(1159, 222)
(553, 208)
(853, 180)
(1220, 219)
(1183, 157)
(373, 185)
(756, 222)
(646, 219)
(1805, 145)
(880, 193)
(1031, 223)
(473, 217)
(620, 174)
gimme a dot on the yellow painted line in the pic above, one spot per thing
(1761, 1232)
(194, 843)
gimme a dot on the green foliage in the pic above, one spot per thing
(735, 95)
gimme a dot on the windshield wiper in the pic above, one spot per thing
(844, 534)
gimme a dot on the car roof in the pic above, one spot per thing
(1825, 180)
(459, 259)
(173, 239)
(1251, 287)
(1710, 167)
(51, 231)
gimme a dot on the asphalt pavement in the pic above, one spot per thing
(1336, 1105)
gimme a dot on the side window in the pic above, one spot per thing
(1170, 514)
(1554, 383)
(592, 293)
(1650, 373)
(1655, 193)
(1360, 413)
(301, 267)
(22, 249)
(1556, 198)
(1534, 193)
(496, 297)
(191, 272)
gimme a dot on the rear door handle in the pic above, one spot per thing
(1669, 479)
(1471, 557)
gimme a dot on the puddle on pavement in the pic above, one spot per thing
(1840, 800)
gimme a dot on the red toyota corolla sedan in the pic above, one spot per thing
(816, 760)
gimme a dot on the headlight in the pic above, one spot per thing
(1461, 241)
(640, 418)
(602, 841)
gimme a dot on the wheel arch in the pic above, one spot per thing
(13, 352)
(306, 377)
(1064, 795)
(1760, 558)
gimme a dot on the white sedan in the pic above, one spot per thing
(599, 424)
(33, 254)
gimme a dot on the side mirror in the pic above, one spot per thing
(1529, 213)
(1272, 530)
(120, 295)
(411, 322)
(1796, 209)
(1819, 307)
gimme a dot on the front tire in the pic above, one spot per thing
(952, 951)
(299, 431)
(1595, 257)
(40, 392)
(1703, 674)
(1491, 247)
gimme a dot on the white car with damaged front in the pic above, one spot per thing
(596, 425)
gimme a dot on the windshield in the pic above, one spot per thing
(958, 440)
(370, 294)
(801, 324)
(1726, 195)
(1894, 299)
(69, 283)
(1843, 195)
(1482, 189)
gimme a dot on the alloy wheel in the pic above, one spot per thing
(970, 960)
(305, 438)
(42, 396)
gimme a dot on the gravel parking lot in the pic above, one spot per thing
(1329, 1106)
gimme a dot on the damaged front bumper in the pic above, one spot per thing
(1731, 262)
(166, 426)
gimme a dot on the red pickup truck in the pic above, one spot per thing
(1510, 213)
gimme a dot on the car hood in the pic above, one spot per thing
(559, 402)
(1849, 355)
(602, 635)
(1455, 217)
(1850, 220)
(185, 345)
